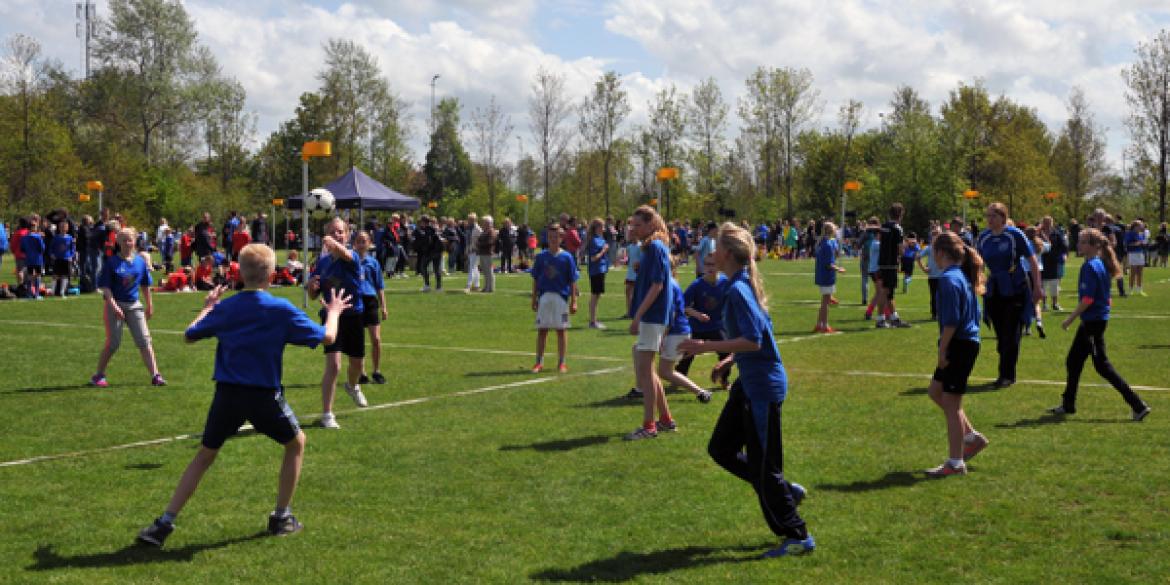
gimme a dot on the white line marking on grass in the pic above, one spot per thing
(409, 402)
(926, 377)
(392, 344)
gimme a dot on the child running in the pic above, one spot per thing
(122, 278)
(826, 274)
(373, 293)
(703, 301)
(1100, 267)
(340, 268)
(750, 420)
(959, 288)
(554, 296)
(680, 331)
(651, 306)
(252, 328)
(597, 251)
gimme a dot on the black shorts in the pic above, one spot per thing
(234, 404)
(961, 354)
(889, 280)
(597, 284)
(351, 336)
(371, 310)
(908, 266)
(62, 268)
(34, 269)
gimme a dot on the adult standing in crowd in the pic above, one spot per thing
(260, 229)
(1074, 234)
(1052, 261)
(507, 245)
(1010, 290)
(204, 236)
(429, 247)
(472, 232)
(486, 246)
(229, 229)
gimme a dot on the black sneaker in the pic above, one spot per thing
(363, 379)
(634, 394)
(1040, 330)
(379, 378)
(900, 324)
(1002, 383)
(1140, 415)
(282, 526)
(156, 534)
(704, 396)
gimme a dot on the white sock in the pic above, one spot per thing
(955, 463)
(894, 316)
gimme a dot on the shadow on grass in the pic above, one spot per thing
(46, 389)
(892, 479)
(615, 402)
(134, 554)
(512, 372)
(972, 389)
(627, 566)
(1055, 419)
(144, 466)
(561, 445)
(1154, 346)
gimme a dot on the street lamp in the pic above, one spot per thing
(311, 149)
(665, 174)
(968, 195)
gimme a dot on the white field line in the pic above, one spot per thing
(926, 378)
(375, 407)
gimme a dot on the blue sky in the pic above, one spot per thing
(1032, 51)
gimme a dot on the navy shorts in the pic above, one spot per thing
(351, 336)
(234, 404)
(597, 284)
(961, 354)
(371, 310)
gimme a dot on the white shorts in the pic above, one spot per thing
(650, 337)
(552, 312)
(829, 290)
(670, 344)
(1051, 288)
(1137, 258)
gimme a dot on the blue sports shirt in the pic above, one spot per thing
(956, 304)
(341, 275)
(33, 246)
(372, 272)
(761, 371)
(706, 298)
(654, 269)
(1093, 286)
(555, 273)
(62, 247)
(633, 258)
(1002, 255)
(253, 327)
(826, 258)
(123, 277)
(593, 248)
(680, 324)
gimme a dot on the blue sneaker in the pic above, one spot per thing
(798, 492)
(156, 534)
(793, 547)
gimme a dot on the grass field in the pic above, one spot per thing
(467, 468)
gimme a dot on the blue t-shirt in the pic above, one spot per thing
(1002, 255)
(123, 277)
(555, 273)
(956, 304)
(875, 246)
(826, 275)
(680, 324)
(762, 231)
(654, 269)
(593, 248)
(684, 237)
(706, 298)
(1134, 241)
(932, 270)
(252, 328)
(706, 248)
(372, 273)
(62, 247)
(761, 371)
(1093, 284)
(33, 246)
(633, 258)
(342, 275)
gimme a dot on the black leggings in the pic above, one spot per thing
(933, 283)
(434, 261)
(684, 365)
(1006, 314)
(735, 432)
(1090, 341)
(506, 258)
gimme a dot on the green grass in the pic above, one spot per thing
(532, 481)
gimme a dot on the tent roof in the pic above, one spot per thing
(357, 190)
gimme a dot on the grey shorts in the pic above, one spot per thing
(135, 320)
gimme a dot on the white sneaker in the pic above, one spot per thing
(355, 392)
(425, 289)
(329, 421)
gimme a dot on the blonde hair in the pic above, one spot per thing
(738, 242)
(337, 219)
(257, 263)
(650, 215)
(999, 209)
(1108, 257)
(949, 245)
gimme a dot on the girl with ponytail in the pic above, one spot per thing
(750, 420)
(957, 305)
(1100, 267)
(651, 311)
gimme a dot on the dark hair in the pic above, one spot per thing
(950, 245)
(896, 211)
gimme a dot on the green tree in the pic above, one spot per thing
(1078, 158)
(491, 131)
(1148, 94)
(601, 114)
(447, 168)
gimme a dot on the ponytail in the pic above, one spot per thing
(1109, 259)
(757, 281)
(738, 242)
(972, 267)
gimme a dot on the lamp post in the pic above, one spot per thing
(665, 174)
(849, 186)
(524, 199)
(311, 149)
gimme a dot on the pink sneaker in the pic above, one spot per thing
(99, 381)
(972, 448)
(158, 380)
(947, 470)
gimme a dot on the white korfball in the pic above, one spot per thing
(319, 199)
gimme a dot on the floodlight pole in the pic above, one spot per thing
(305, 229)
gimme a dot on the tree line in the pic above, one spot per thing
(169, 134)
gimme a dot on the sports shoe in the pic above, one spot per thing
(158, 380)
(99, 381)
(704, 396)
(563, 368)
(283, 526)
(947, 470)
(355, 392)
(634, 394)
(974, 445)
(900, 324)
(1056, 307)
(1040, 330)
(641, 433)
(1140, 415)
(538, 368)
(798, 492)
(828, 330)
(1003, 383)
(793, 547)
(666, 427)
(156, 534)
(378, 378)
(363, 379)
(1061, 410)
(597, 325)
(425, 289)
(328, 421)
(883, 324)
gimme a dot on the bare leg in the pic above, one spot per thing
(290, 470)
(355, 370)
(593, 299)
(148, 359)
(190, 479)
(647, 382)
(329, 380)
(823, 313)
(667, 372)
(957, 424)
(562, 345)
(375, 347)
(660, 399)
(541, 339)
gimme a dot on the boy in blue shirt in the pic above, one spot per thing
(123, 277)
(252, 327)
(703, 303)
(62, 252)
(679, 331)
(33, 247)
(597, 255)
(554, 296)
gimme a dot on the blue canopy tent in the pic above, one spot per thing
(356, 190)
